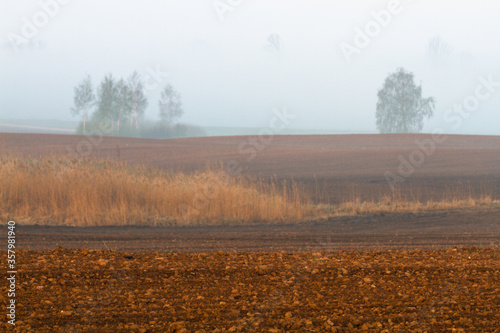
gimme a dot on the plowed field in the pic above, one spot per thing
(425, 272)
(332, 168)
(454, 290)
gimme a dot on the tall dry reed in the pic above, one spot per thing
(84, 192)
(59, 190)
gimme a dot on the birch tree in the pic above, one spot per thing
(83, 100)
(138, 100)
(401, 107)
(170, 105)
(107, 97)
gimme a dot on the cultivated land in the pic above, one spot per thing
(455, 290)
(334, 168)
(433, 270)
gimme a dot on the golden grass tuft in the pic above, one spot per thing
(84, 192)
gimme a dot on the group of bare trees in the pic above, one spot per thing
(121, 103)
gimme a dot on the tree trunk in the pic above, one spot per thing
(84, 116)
(170, 112)
(118, 124)
(133, 108)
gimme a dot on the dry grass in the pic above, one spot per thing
(395, 204)
(84, 192)
(59, 190)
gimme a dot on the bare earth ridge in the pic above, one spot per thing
(395, 231)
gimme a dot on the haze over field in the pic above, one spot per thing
(234, 61)
(250, 165)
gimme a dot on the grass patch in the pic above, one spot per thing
(85, 192)
(395, 204)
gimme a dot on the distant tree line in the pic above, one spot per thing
(118, 106)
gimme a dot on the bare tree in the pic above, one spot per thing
(83, 99)
(274, 43)
(170, 105)
(400, 106)
(439, 50)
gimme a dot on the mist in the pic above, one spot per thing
(233, 62)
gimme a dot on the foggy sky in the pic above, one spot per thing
(229, 74)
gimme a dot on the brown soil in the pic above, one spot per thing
(332, 168)
(455, 290)
(431, 230)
